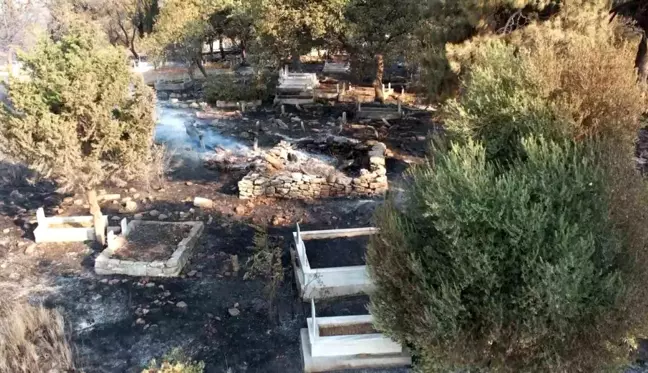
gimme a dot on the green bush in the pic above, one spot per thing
(500, 102)
(175, 362)
(234, 88)
(509, 269)
(572, 76)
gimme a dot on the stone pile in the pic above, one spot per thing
(288, 175)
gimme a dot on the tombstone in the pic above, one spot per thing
(283, 110)
(344, 117)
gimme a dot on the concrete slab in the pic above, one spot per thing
(333, 363)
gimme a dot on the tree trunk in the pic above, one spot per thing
(243, 54)
(221, 47)
(296, 61)
(97, 216)
(380, 70)
(641, 62)
(201, 67)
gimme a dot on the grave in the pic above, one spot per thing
(347, 342)
(296, 88)
(336, 67)
(346, 278)
(149, 248)
(286, 172)
(65, 229)
(379, 112)
(173, 85)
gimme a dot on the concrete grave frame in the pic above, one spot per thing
(46, 233)
(318, 283)
(339, 352)
(106, 265)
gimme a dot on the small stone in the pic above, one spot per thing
(115, 218)
(138, 216)
(130, 206)
(15, 195)
(140, 321)
(154, 213)
(240, 210)
(68, 200)
(162, 217)
(181, 304)
(30, 249)
(78, 202)
(136, 196)
(114, 282)
(192, 273)
(104, 281)
(234, 311)
(150, 285)
(132, 190)
(6, 230)
(14, 276)
(189, 183)
(203, 202)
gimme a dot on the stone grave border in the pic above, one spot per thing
(318, 283)
(332, 353)
(106, 265)
(44, 233)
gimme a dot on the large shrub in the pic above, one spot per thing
(570, 76)
(517, 268)
(79, 111)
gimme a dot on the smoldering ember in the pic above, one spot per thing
(323, 186)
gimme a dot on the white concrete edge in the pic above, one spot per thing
(334, 233)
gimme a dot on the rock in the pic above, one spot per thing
(244, 135)
(115, 218)
(140, 321)
(132, 190)
(138, 216)
(192, 273)
(235, 263)
(276, 220)
(181, 304)
(114, 282)
(31, 249)
(154, 213)
(203, 202)
(15, 195)
(150, 284)
(194, 105)
(162, 217)
(78, 202)
(130, 206)
(234, 311)
(240, 210)
(68, 200)
(14, 276)
(136, 196)
(189, 183)
(6, 230)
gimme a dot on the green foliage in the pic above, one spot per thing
(266, 264)
(175, 362)
(500, 103)
(232, 88)
(568, 77)
(516, 269)
(78, 110)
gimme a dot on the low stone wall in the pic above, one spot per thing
(106, 265)
(300, 185)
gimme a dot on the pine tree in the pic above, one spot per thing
(79, 112)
